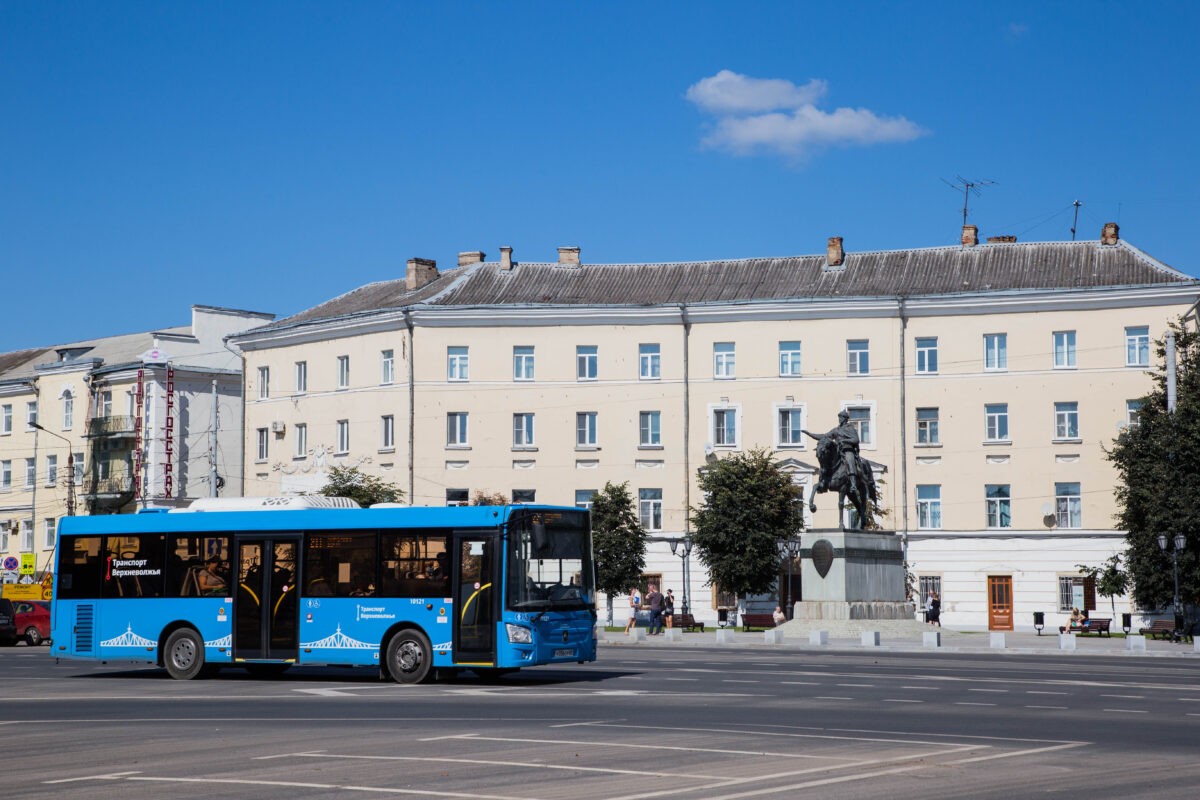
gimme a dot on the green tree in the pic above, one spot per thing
(1158, 460)
(1110, 579)
(618, 541)
(483, 497)
(750, 504)
(357, 485)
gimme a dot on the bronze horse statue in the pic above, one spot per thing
(835, 476)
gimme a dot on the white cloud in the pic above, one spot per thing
(757, 115)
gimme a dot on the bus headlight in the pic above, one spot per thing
(518, 634)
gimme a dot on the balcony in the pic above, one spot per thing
(112, 486)
(111, 426)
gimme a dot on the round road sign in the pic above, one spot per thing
(10, 562)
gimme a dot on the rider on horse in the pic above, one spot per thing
(846, 436)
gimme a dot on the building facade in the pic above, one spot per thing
(107, 425)
(985, 378)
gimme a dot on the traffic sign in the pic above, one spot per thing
(28, 562)
(10, 562)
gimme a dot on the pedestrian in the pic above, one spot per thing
(933, 613)
(778, 615)
(635, 600)
(668, 607)
(655, 600)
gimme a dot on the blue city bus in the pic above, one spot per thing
(417, 593)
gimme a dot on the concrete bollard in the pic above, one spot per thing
(773, 636)
(818, 637)
(1196, 644)
(996, 641)
(636, 634)
(1135, 642)
(870, 638)
(1066, 641)
(725, 636)
(673, 635)
(931, 639)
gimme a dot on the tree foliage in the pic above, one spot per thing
(750, 504)
(486, 498)
(618, 541)
(359, 486)
(1110, 579)
(1158, 461)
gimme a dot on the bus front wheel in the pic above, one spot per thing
(409, 657)
(184, 654)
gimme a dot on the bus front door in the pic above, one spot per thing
(265, 607)
(476, 593)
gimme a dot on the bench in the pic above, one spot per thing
(1096, 625)
(757, 621)
(686, 622)
(1163, 627)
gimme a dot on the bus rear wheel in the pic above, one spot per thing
(409, 657)
(184, 654)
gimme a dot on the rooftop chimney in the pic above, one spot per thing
(506, 262)
(1111, 233)
(835, 256)
(471, 257)
(420, 272)
(568, 256)
(1001, 239)
(970, 235)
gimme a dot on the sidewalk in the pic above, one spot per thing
(960, 641)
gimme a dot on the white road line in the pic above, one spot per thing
(521, 764)
(1125, 710)
(889, 700)
(111, 776)
(1052, 708)
(801, 683)
(641, 746)
(993, 691)
(923, 688)
(1031, 691)
(827, 697)
(681, 679)
(831, 734)
(974, 704)
(858, 685)
(1125, 696)
(1015, 753)
(327, 786)
(1187, 699)
(736, 680)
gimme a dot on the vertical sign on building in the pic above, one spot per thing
(169, 444)
(139, 401)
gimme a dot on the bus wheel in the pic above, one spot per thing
(184, 654)
(409, 657)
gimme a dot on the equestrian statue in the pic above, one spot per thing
(843, 470)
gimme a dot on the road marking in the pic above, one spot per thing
(889, 700)
(858, 685)
(1125, 710)
(1031, 691)
(923, 688)
(801, 683)
(326, 786)
(1125, 696)
(736, 680)
(497, 763)
(681, 679)
(993, 691)
(1015, 753)
(1053, 708)
(326, 692)
(974, 704)
(640, 746)
(111, 776)
(826, 697)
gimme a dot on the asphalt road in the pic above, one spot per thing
(640, 723)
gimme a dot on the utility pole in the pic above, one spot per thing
(212, 443)
(1075, 224)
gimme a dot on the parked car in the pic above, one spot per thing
(8, 623)
(32, 621)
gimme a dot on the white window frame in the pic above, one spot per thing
(649, 361)
(927, 355)
(51, 469)
(343, 372)
(724, 360)
(457, 427)
(523, 362)
(6, 475)
(1064, 350)
(929, 507)
(998, 502)
(301, 375)
(790, 364)
(1133, 410)
(929, 428)
(458, 363)
(725, 426)
(650, 509)
(458, 497)
(387, 367)
(343, 436)
(26, 536)
(587, 362)
(104, 402)
(1137, 346)
(262, 447)
(264, 383)
(523, 430)
(787, 434)
(858, 356)
(585, 429)
(1066, 420)
(387, 432)
(1068, 505)
(31, 414)
(995, 417)
(650, 429)
(6, 418)
(68, 421)
(866, 433)
(584, 498)
(49, 533)
(300, 434)
(78, 468)
(30, 472)
(995, 352)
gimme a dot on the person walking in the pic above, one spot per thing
(655, 600)
(933, 613)
(668, 607)
(635, 600)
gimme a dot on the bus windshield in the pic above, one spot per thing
(549, 561)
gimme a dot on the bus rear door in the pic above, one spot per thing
(476, 597)
(265, 607)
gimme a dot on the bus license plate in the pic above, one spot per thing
(564, 652)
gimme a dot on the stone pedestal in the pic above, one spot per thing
(931, 639)
(851, 575)
(773, 636)
(996, 640)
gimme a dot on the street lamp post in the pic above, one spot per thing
(1179, 541)
(683, 549)
(70, 468)
(789, 549)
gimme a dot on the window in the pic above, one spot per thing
(1137, 346)
(999, 505)
(301, 377)
(523, 363)
(929, 506)
(524, 495)
(995, 351)
(789, 359)
(585, 362)
(78, 478)
(457, 364)
(927, 355)
(523, 429)
(1066, 420)
(860, 418)
(51, 470)
(723, 360)
(456, 429)
(49, 533)
(858, 357)
(995, 422)
(1076, 591)
(927, 426)
(30, 472)
(583, 498)
(104, 404)
(30, 414)
(262, 451)
(457, 497)
(6, 418)
(387, 366)
(343, 564)
(725, 427)
(1068, 510)
(343, 436)
(650, 509)
(26, 536)
(343, 372)
(300, 430)
(790, 421)
(264, 383)
(649, 431)
(1064, 349)
(5, 475)
(649, 362)
(585, 429)
(387, 432)
(928, 584)
(68, 411)
(1132, 409)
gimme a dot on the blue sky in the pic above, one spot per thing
(269, 156)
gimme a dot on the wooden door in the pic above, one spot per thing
(1000, 603)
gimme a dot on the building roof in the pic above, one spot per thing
(1007, 266)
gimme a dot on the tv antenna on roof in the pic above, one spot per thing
(968, 188)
